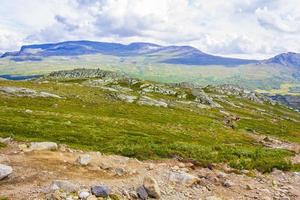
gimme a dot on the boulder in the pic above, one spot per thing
(152, 187)
(100, 191)
(39, 146)
(5, 171)
(84, 159)
(142, 193)
(183, 178)
(64, 185)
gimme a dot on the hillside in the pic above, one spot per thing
(154, 62)
(188, 137)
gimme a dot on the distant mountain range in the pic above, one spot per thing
(279, 74)
(185, 55)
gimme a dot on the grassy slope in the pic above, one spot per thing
(87, 119)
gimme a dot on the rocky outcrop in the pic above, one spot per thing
(240, 92)
(25, 92)
(203, 98)
(144, 100)
(126, 98)
(84, 73)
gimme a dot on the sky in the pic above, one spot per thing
(240, 28)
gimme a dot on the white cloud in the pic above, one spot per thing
(247, 28)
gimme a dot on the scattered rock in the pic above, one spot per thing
(84, 159)
(5, 171)
(120, 171)
(83, 194)
(228, 183)
(39, 146)
(183, 178)
(6, 140)
(144, 100)
(64, 185)
(100, 191)
(142, 193)
(152, 187)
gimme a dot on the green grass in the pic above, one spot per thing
(87, 118)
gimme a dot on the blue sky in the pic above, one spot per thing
(243, 28)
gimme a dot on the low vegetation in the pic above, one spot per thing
(89, 118)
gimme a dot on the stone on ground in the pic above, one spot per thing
(39, 146)
(142, 193)
(100, 191)
(5, 171)
(84, 159)
(183, 178)
(152, 187)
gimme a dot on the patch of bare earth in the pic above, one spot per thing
(34, 171)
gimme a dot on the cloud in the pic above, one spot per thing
(247, 28)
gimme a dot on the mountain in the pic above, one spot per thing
(286, 59)
(186, 55)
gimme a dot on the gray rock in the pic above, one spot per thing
(100, 191)
(5, 171)
(64, 185)
(84, 159)
(25, 92)
(120, 171)
(152, 187)
(83, 194)
(142, 193)
(183, 178)
(39, 146)
(144, 100)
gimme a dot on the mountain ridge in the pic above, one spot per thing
(174, 54)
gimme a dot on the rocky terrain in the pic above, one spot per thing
(45, 170)
(94, 134)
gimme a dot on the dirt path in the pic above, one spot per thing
(34, 171)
